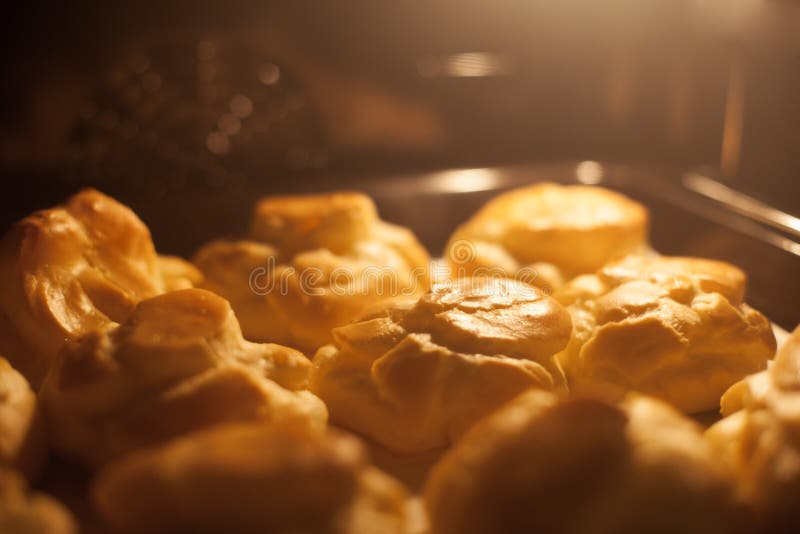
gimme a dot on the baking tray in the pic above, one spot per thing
(692, 213)
(689, 216)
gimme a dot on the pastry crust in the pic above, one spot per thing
(69, 270)
(581, 466)
(178, 273)
(554, 231)
(296, 223)
(22, 440)
(177, 364)
(413, 375)
(250, 478)
(760, 389)
(22, 512)
(313, 263)
(760, 438)
(674, 328)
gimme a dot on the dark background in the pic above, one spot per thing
(120, 95)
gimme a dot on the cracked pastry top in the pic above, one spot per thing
(581, 465)
(674, 328)
(414, 374)
(760, 438)
(250, 478)
(312, 263)
(22, 439)
(555, 231)
(177, 364)
(70, 269)
(24, 512)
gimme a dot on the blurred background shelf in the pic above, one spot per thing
(187, 111)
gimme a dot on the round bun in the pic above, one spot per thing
(22, 512)
(758, 389)
(250, 478)
(760, 438)
(69, 270)
(580, 466)
(22, 440)
(313, 263)
(674, 328)
(331, 221)
(577, 229)
(413, 375)
(177, 364)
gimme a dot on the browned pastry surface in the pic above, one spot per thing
(69, 270)
(22, 439)
(760, 438)
(674, 328)
(582, 466)
(178, 273)
(759, 389)
(313, 263)
(178, 363)
(251, 478)
(414, 374)
(23, 512)
(558, 231)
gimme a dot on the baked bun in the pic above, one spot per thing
(251, 478)
(313, 263)
(177, 364)
(581, 466)
(760, 438)
(783, 376)
(69, 270)
(414, 374)
(22, 512)
(177, 273)
(22, 441)
(674, 328)
(544, 229)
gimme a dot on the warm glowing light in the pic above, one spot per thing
(218, 143)
(463, 65)
(464, 181)
(269, 74)
(679, 103)
(589, 172)
(229, 124)
(241, 106)
(742, 203)
(620, 86)
(732, 126)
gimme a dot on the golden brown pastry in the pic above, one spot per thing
(414, 374)
(674, 328)
(178, 363)
(783, 376)
(22, 512)
(68, 270)
(22, 440)
(251, 478)
(760, 438)
(546, 232)
(314, 263)
(178, 273)
(581, 466)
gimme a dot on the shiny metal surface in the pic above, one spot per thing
(684, 222)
